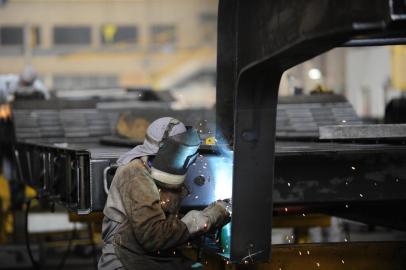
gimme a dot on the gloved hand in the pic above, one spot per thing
(218, 212)
(215, 215)
(196, 221)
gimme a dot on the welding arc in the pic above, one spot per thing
(35, 264)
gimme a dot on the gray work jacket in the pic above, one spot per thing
(141, 228)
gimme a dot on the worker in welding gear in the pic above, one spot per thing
(26, 84)
(142, 228)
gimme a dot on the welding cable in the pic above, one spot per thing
(35, 265)
(68, 249)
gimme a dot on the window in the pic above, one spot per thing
(113, 34)
(163, 35)
(72, 35)
(11, 35)
(208, 26)
(14, 36)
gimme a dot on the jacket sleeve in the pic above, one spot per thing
(152, 228)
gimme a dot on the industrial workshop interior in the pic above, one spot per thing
(203, 134)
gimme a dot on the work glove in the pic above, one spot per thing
(218, 213)
(196, 222)
(213, 216)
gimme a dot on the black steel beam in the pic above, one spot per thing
(258, 41)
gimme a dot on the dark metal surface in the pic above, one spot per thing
(333, 256)
(359, 173)
(364, 132)
(257, 42)
(58, 174)
(333, 173)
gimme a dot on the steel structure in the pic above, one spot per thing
(257, 42)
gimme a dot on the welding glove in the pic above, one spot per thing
(195, 221)
(213, 216)
(218, 213)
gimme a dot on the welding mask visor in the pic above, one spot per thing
(175, 155)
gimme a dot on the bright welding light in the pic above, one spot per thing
(222, 171)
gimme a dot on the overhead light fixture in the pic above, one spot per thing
(314, 74)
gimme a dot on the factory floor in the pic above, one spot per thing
(73, 249)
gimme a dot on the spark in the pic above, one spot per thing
(318, 264)
(353, 168)
(342, 261)
(288, 184)
(286, 209)
(397, 180)
(196, 197)
(345, 240)
(308, 252)
(346, 206)
(304, 214)
(362, 196)
(344, 121)
(300, 253)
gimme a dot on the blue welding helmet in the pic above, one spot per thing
(175, 155)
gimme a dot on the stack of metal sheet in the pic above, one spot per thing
(299, 117)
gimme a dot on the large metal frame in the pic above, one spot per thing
(258, 41)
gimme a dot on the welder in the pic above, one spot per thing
(24, 85)
(142, 228)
